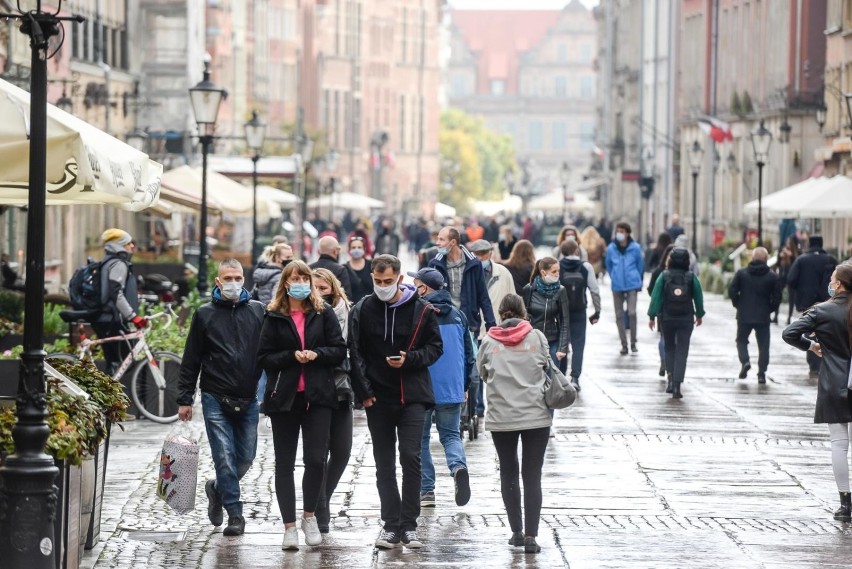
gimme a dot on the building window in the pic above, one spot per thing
(587, 87)
(561, 86)
(587, 135)
(498, 87)
(585, 53)
(536, 135)
(458, 86)
(562, 53)
(559, 136)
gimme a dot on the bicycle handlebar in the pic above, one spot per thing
(168, 314)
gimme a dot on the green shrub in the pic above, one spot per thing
(12, 306)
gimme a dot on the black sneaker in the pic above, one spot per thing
(409, 539)
(761, 378)
(662, 370)
(427, 500)
(530, 546)
(388, 540)
(517, 539)
(214, 504)
(575, 384)
(633, 349)
(744, 370)
(623, 350)
(462, 482)
(236, 526)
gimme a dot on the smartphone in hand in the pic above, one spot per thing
(395, 358)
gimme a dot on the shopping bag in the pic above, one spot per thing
(178, 471)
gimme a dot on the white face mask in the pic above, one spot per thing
(386, 293)
(549, 279)
(231, 290)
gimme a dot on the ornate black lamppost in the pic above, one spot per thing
(255, 131)
(696, 155)
(761, 139)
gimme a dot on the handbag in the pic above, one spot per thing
(233, 406)
(558, 391)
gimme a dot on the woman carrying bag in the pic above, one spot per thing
(826, 330)
(301, 346)
(514, 362)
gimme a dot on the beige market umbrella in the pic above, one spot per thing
(84, 164)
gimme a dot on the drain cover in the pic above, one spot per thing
(156, 536)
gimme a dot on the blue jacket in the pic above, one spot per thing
(451, 373)
(626, 267)
(474, 291)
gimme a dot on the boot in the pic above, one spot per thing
(676, 394)
(844, 514)
(669, 384)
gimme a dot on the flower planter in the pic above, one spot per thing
(94, 527)
(66, 525)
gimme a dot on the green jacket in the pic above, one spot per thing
(657, 298)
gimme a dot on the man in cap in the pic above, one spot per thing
(450, 380)
(118, 286)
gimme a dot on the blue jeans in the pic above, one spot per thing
(233, 444)
(447, 419)
(261, 387)
(577, 326)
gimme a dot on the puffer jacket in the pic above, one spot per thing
(830, 322)
(549, 315)
(625, 266)
(266, 277)
(512, 361)
(755, 293)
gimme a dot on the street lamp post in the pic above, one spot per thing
(820, 117)
(565, 179)
(28, 499)
(255, 131)
(761, 139)
(696, 155)
(206, 98)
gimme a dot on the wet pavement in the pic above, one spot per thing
(734, 475)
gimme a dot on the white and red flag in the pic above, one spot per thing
(719, 131)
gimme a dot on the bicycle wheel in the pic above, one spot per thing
(154, 387)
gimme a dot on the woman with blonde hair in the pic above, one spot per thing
(300, 348)
(595, 247)
(569, 232)
(340, 435)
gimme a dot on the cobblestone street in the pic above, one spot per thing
(734, 475)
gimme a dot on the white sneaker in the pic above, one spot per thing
(311, 530)
(291, 539)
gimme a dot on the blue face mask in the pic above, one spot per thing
(443, 251)
(831, 291)
(300, 291)
(486, 265)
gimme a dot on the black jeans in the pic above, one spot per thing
(534, 443)
(577, 326)
(761, 332)
(114, 352)
(314, 423)
(676, 335)
(387, 421)
(339, 450)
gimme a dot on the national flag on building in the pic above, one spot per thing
(719, 131)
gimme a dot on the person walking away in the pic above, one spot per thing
(786, 259)
(679, 303)
(809, 277)
(465, 280)
(450, 381)
(675, 230)
(220, 353)
(506, 242)
(340, 434)
(546, 303)
(755, 292)
(521, 264)
(393, 339)
(625, 267)
(359, 269)
(568, 232)
(825, 331)
(300, 347)
(121, 301)
(387, 241)
(683, 242)
(661, 344)
(329, 253)
(595, 247)
(514, 362)
(499, 282)
(577, 277)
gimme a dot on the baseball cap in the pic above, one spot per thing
(480, 246)
(430, 277)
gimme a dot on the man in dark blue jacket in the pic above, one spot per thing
(450, 381)
(465, 279)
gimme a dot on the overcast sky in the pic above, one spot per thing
(514, 4)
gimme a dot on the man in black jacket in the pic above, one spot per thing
(756, 294)
(222, 348)
(329, 253)
(809, 277)
(393, 339)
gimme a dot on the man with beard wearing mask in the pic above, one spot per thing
(122, 300)
(393, 339)
(222, 347)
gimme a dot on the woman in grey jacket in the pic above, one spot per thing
(831, 324)
(512, 361)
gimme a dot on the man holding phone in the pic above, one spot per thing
(393, 339)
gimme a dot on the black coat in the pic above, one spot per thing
(830, 321)
(338, 270)
(809, 277)
(279, 342)
(520, 276)
(377, 330)
(756, 293)
(549, 315)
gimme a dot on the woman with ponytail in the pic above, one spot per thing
(826, 330)
(546, 301)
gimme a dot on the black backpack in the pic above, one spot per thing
(575, 283)
(677, 295)
(86, 289)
